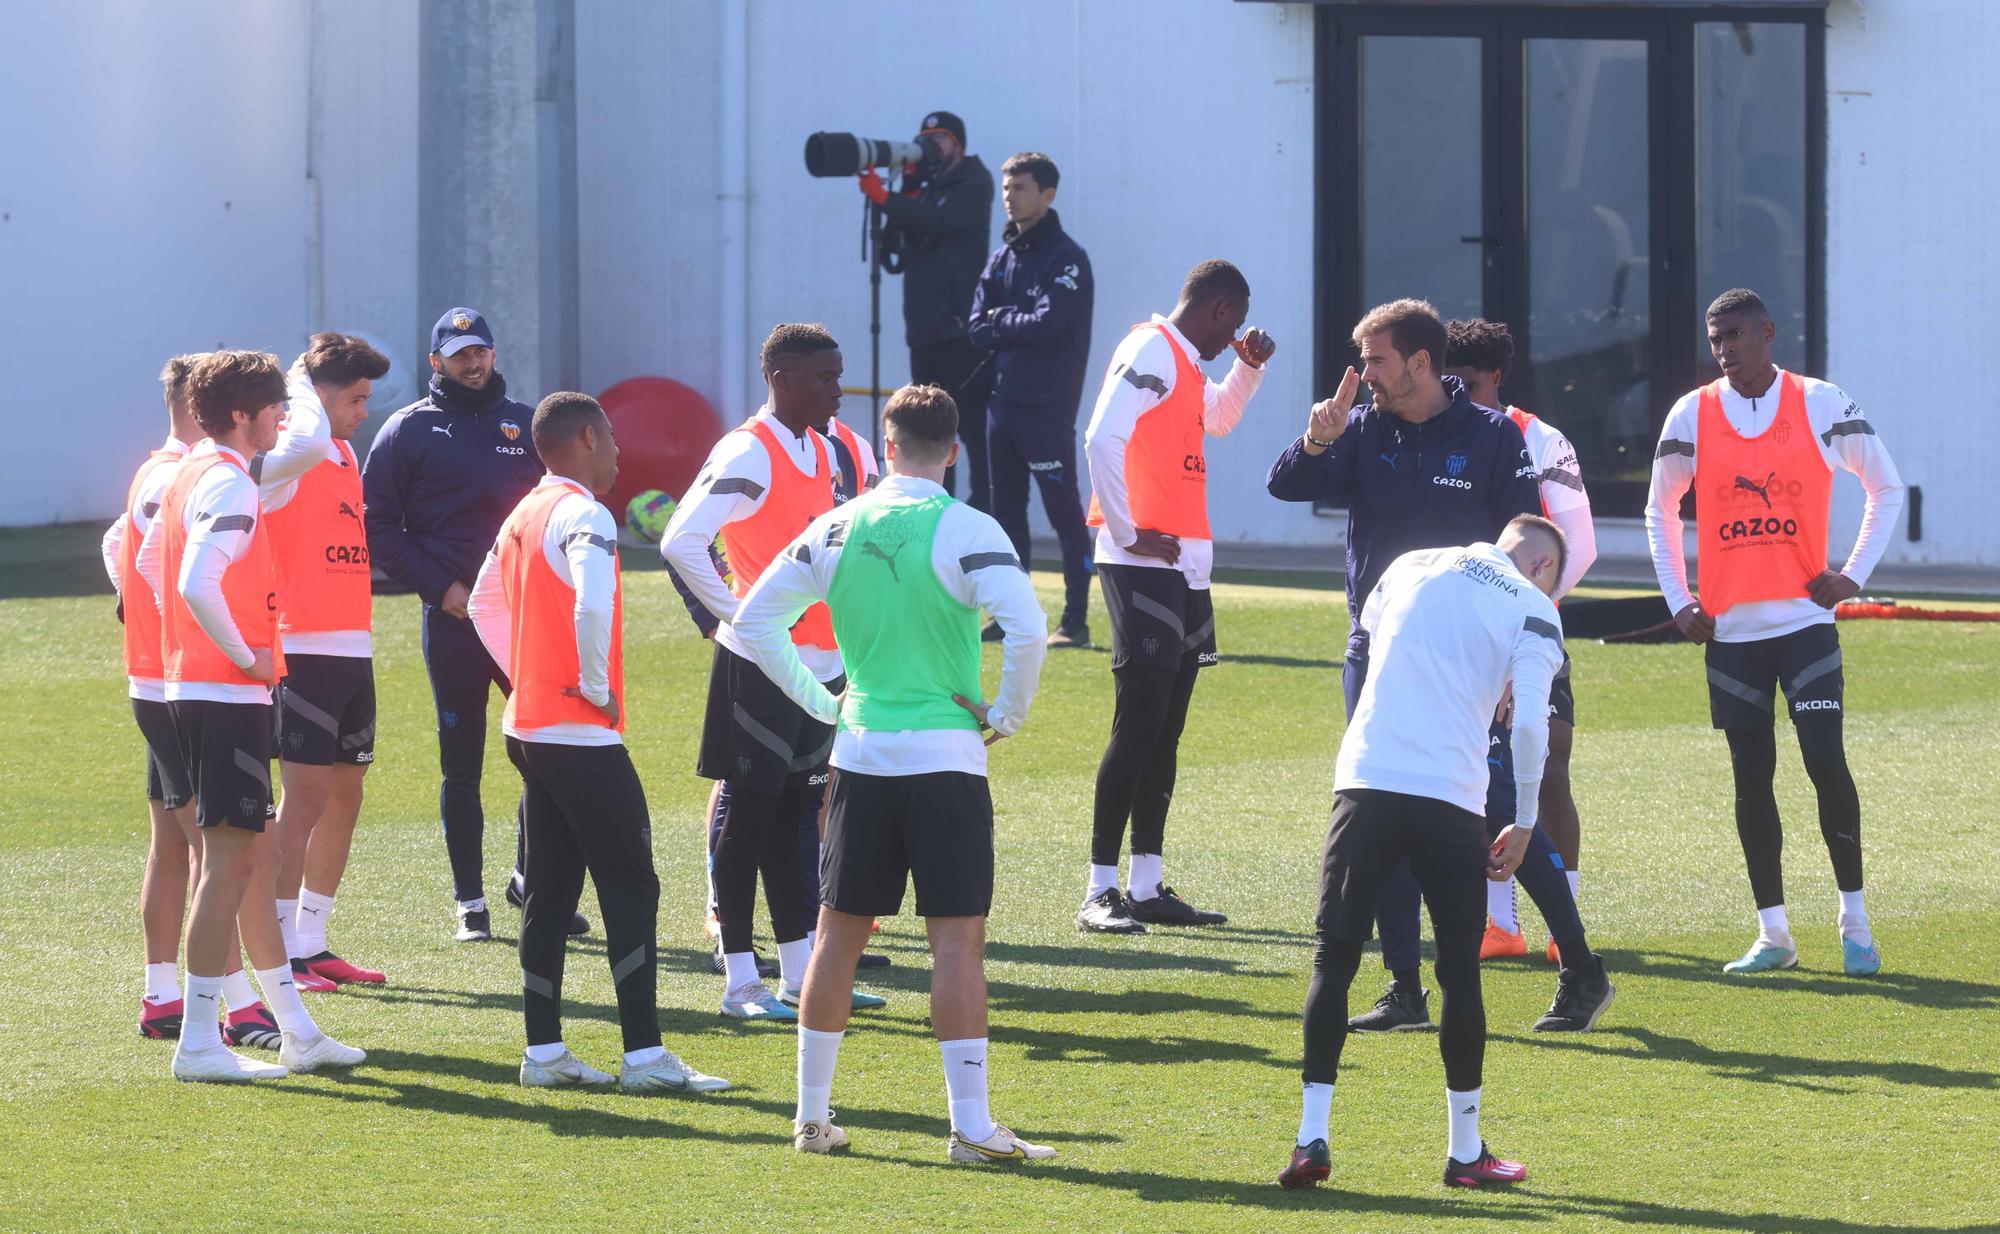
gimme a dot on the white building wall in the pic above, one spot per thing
(1912, 260)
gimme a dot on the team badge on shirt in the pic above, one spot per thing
(509, 430)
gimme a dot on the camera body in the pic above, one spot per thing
(844, 154)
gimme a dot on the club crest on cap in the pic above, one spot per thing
(461, 322)
(931, 121)
(509, 430)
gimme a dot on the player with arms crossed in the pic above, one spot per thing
(1451, 631)
(1759, 447)
(1478, 353)
(905, 571)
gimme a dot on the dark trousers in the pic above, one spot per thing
(1041, 442)
(1135, 780)
(948, 363)
(1370, 832)
(1541, 872)
(462, 678)
(584, 812)
(763, 833)
(809, 809)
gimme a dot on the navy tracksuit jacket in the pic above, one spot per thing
(441, 477)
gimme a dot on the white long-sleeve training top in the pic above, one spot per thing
(975, 563)
(579, 544)
(1140, 378)
(1448, 630)
(730, 487)
(145, 504)
(1858, 450)
(1564, 498)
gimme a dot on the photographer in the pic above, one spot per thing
(1032, 311)
(940, 225)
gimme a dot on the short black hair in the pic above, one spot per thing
(562, 416)
(1487, 346)
(1535, 522)
(796, 338)
(1032, 163)
(1739, 300)
(1215, 279)
(923, 420)
(338, 360)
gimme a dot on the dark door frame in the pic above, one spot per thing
(1669, 33)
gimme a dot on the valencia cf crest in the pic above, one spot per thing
(510, 430)
(461, 322)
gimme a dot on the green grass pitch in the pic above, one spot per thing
(1163, 1067)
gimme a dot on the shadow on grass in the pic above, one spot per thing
(676, 1023)
(1909, 989)
(1120, 957)
(1760, 1066)
(1061, 1045)
(1230, 657)
(1519, 1205)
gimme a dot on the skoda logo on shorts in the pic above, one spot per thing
(510, 430)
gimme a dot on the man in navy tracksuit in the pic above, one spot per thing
(442, 476)
(1420, 467)
(1031, 310)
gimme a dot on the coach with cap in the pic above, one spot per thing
(441, 477)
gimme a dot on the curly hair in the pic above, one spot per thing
(1487, 346)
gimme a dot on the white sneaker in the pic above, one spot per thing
(1002, 1145)
(755, 1002)
(668, 1074)
(564, 1072)
(321, 1051)
(222, 1064)
(818, 1137)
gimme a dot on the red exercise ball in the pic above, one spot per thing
(665, 430)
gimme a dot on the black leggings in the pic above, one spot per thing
(1753, 761)
(760, 832)
(1461, 1027)
(584, 811)
(1135, 780)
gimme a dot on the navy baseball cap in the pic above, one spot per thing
(458, 329)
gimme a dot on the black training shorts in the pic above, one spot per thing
(1372, 830)
(1157, 620)
(326, 711)
(1743, 678)
(167, 780)
(1562, 696)
(884, 832)
(754, 735)
(227, 748)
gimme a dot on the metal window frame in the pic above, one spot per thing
(1668, 30)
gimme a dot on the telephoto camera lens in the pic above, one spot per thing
(844, 154)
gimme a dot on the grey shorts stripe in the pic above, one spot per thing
(1160, 613)
(1813, 672)
(255, 770)
(1200, 636)
(1729, 685)
(812, 759)
(537, 985)
(354, 741)
(305, 709)
(629, 965)
(761, 735)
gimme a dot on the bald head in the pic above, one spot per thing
(1538, 549)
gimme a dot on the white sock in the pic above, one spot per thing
(163, 983)
(1500, 905)
(315, 910)
(652, 1053)
(286, 1006)
(739, 969)
(1465, 1141)
(965, 1086)
(818, 1052)
(288, 911)
(1147, 875)
(1571, 876)
(237, 992)
(472, 906)
(812, 938)
(1316, 1108)
(792, 960)
(1773, 926)
(548, 1053)
(1102, 879)
(1854, 919)
(201, 1025)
